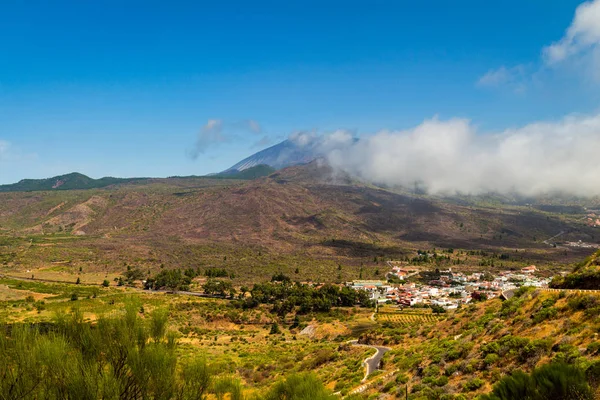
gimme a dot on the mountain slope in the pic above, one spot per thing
(255, 172)
(306, 211)
(284, 154)
(585, 276)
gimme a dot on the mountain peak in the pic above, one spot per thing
(281, 155)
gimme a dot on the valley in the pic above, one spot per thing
(265, 282)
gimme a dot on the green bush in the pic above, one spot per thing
(299, 387)
(473, 384)
(551, 381)
(491, 359)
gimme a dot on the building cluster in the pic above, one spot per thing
(593, 219)
(582, 245)
(449, 290)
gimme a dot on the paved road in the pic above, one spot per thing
(547, 241)
(372, 363)
(508, 294)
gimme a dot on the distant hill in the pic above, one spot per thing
(77, 181)
(72, 181)
(284, 154)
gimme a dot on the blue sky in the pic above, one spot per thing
(124, 88)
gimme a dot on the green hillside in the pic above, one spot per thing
(77, 181)
(72, 181)
(255, 172)
(585, 276)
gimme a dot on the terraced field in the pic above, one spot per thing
(406, 318)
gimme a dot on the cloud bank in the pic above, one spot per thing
(448, 157)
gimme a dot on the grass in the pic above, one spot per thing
(478, 343)
(239, 341)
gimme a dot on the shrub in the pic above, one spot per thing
(552, 381)
(582, 302)
(473, 384)
(274, 329)
(297, 387)
(491, 359)
(544, 314)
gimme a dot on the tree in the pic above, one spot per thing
(133, 274)
(106, 283)
(218, 287)
(437, 309)
(78, 281)
(274, 329)
(280, 277)
(171, 279)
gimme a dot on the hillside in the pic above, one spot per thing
(255, 172)
(585, 276)
(73, 181)
(457, 355)
(465, 353)
(305, 216)
(77, 181)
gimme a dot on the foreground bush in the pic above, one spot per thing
(300, 387)
(551, 381)
(124, 357)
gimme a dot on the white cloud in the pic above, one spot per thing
(495, 77)
(210, 134)
(514, 77)
(303, 139)
(578, 50)
(451, 156)
(322, 144)
(217, 131)
(583, 35)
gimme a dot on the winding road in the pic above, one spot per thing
(372, 363)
